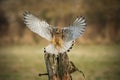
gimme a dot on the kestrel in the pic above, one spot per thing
(61, 39)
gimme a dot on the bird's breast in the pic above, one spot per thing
(57, 41)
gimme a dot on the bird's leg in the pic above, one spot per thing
(53, 40)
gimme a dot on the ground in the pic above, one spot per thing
(25, 62)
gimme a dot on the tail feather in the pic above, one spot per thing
(66, 46)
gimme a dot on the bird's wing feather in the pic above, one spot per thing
(38, 26)
(75, 30)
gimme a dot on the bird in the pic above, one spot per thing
(61, 39)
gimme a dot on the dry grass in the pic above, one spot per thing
(25, 62)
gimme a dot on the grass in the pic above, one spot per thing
(98, 62)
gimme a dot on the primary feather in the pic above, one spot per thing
(38, 26)
(75, 30)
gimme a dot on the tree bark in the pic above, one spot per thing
(59, 67)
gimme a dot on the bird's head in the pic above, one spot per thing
(57, 30)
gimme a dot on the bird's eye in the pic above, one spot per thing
(56, 30)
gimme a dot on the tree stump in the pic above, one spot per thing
(59, 67)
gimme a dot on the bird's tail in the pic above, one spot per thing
(66, 47)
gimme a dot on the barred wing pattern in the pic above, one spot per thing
(38, 26)
(75, 30)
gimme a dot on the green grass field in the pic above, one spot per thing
(98, 62)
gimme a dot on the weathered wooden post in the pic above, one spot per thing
(59, 67)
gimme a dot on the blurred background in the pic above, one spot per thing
(96, 52)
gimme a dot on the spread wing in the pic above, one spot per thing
(38, 26)
(75, 30)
